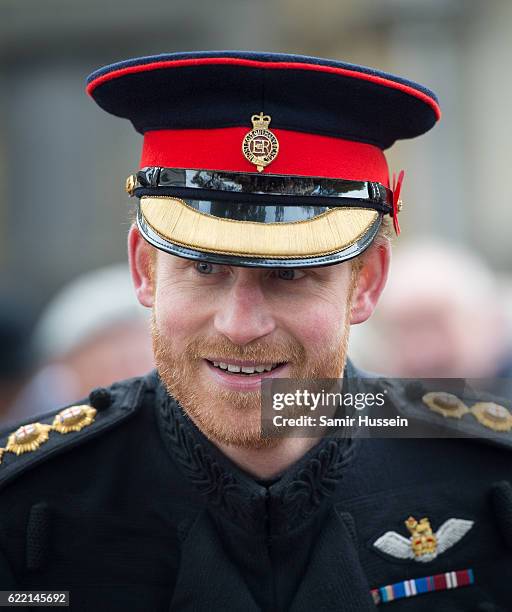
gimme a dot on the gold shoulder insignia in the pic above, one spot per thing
(447, 404)
(493, 416)
(28, 438)
(74, 418)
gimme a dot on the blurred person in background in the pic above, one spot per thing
(16, 356)
(92, 333)
(441, 315)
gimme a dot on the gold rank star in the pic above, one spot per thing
(446, 404)
(27, 438)
(74, 418)
(493, 415)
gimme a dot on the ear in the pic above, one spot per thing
(371, 281)
(140, 259)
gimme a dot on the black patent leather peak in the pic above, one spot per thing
(263, 190)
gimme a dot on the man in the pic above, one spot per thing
(162, 493)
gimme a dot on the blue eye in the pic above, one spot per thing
(205, 267)
(289, 273)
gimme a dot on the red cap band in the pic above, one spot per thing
(299, 154)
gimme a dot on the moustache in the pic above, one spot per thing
(278, 351)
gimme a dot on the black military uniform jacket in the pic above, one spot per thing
(139, 511)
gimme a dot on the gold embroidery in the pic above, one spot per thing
(324, 234)
(423, 540)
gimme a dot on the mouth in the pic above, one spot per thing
(245, 368)
(244, 376)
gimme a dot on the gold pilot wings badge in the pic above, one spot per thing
(423, 544)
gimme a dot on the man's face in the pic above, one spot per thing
(206, 317)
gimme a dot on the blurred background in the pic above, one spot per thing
(63, 163)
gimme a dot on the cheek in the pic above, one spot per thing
(321, 325)
(177, 316)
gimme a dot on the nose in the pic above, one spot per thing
(244, 314)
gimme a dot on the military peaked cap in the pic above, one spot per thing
(261, 159)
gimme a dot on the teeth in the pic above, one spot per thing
(245, 369)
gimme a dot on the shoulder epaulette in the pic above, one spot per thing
(29, 444)
(453, 409)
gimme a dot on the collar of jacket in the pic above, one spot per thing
(287, 505)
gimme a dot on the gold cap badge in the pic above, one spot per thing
(260, 146)
(74, 418)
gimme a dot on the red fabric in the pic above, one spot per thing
(269, 66)
(440, 583)
(397, 187)
(462, 578)
(299, 153)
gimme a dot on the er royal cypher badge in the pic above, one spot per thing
(260, 146)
